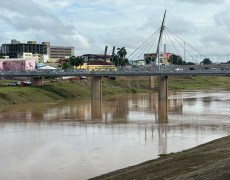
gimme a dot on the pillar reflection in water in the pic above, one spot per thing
(96, 110)
(96, 98)
(151, 81)
(163, 99)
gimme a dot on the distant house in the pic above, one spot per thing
(139, 62)
(150, 56)
(99, 65)
(17, 64)
(40, 58)
(163, 57)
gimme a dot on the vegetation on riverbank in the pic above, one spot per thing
(70, 89)
(199, 82)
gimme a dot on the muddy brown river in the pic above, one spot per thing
(69, 140)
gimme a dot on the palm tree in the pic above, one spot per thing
(121, 52)
(76, 61)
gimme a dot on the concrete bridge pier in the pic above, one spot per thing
(163, 99)
(36, 81)
(151, 81)
(96, 97)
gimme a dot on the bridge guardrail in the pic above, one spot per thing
(143, 71)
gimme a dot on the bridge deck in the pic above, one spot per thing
(201, 70)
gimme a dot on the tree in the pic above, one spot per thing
(190, 63)
(228, 62)
(2, 56)
(148, 60)
(124, 62)
(76, 61)
(176, 59)
(206, 61)
(65, 65)
(121, 52)
(119, 58)
(114, 59)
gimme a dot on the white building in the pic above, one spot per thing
(139, 62)
(40, 58)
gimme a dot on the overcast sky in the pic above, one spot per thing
(90, 25)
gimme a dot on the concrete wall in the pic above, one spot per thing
(19, 64)
(1, 65)
(36, 81)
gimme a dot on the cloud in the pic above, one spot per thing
(26, 17)
(217, 37)
(202, 1)
(91, 25)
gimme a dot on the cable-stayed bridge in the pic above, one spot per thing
(176, 70)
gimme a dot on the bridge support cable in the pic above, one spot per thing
(172, 42)
(185, 42)
(148, 45)
(182, 45)
(143, 44)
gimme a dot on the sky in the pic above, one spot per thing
(90, 25)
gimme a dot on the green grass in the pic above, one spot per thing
(199, 82)
(72, 89)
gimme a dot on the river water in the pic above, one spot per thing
(77, 140)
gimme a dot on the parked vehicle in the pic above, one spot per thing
(25, 83)
(13, 84)
(22, 83)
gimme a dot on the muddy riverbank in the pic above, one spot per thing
(207, 161)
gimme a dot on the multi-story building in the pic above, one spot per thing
(60, 52)
(15, 49)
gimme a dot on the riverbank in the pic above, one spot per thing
(208, 161)
(76, 88)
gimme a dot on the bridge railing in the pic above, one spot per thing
(140, 71)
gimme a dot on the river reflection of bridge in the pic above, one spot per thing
(127, 124)
(117, 108)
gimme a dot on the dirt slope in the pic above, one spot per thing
(207, 161)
